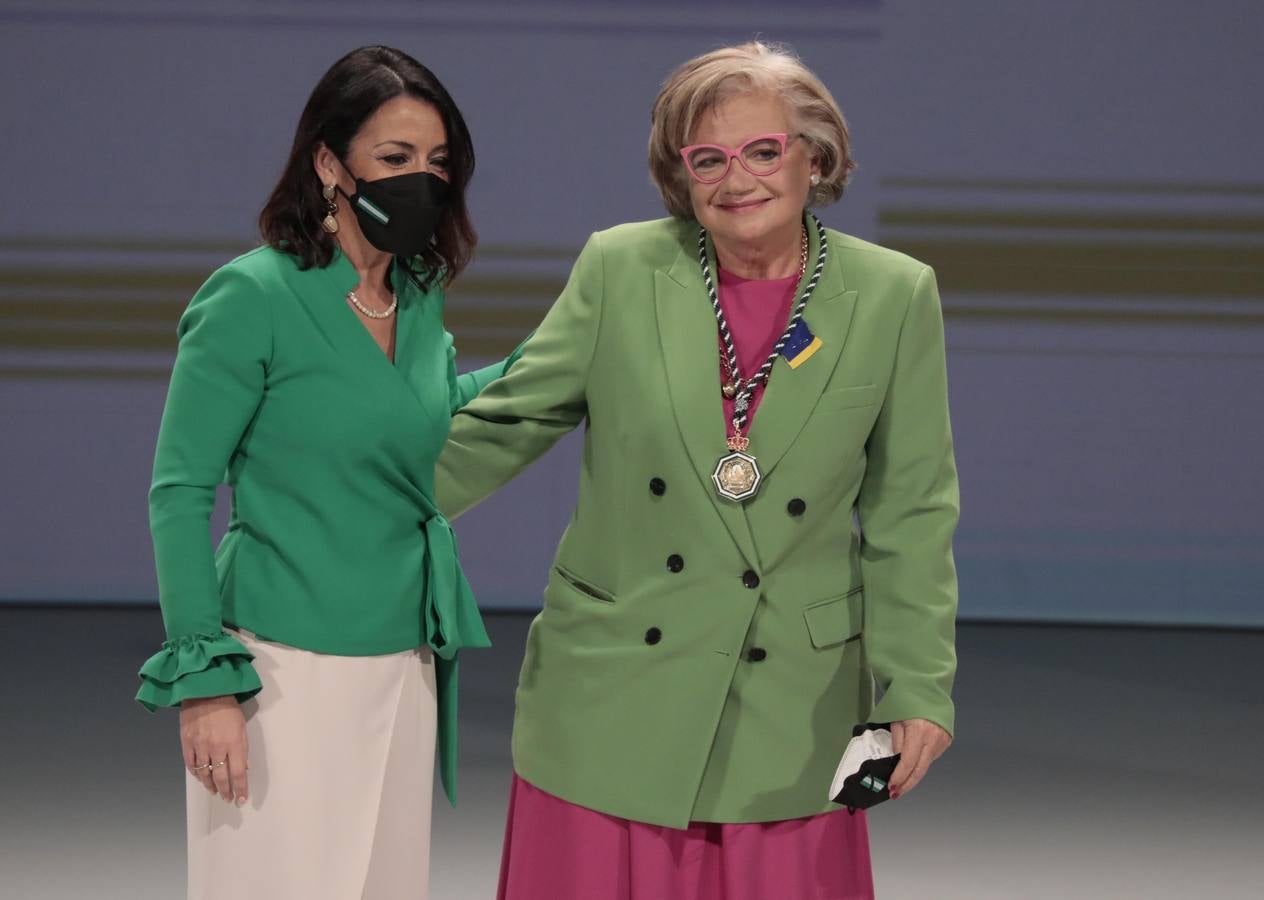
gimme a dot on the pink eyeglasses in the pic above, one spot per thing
(762, 155)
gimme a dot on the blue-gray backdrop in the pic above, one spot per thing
(1083, 176)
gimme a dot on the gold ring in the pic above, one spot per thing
(199, 768)
(222, 762)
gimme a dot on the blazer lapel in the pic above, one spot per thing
(791, 394)
(326, 305)
(687, 334)
(420, 358)
(412, 371)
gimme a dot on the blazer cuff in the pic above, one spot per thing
(197, 665)
(899, 705)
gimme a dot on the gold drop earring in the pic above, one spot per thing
(329, 223)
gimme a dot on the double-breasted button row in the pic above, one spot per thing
(750, 579)
(675, 562)
(796, 507)
(756, 654)
(653, 636)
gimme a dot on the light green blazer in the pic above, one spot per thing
(699, 659)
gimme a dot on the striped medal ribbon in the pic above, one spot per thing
(737, 474)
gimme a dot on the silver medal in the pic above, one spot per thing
(736, 476)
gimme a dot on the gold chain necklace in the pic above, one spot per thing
(732, 378)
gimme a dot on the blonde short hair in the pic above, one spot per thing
(704, 81)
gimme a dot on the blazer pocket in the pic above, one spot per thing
(838, 619)
(848, 397)
(584, 587)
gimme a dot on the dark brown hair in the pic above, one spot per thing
(343, 100)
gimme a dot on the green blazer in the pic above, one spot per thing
(334, 543)
(698, 659)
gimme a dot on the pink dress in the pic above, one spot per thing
(557, 850)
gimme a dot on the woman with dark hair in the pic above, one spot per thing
(313, 656)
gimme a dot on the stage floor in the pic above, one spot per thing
(1090, 763)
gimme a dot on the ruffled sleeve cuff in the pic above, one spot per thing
(197, 665)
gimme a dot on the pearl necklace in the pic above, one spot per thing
(373, 314)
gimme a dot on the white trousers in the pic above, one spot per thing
(341, 753)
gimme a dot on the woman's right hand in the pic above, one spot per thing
(213, 736)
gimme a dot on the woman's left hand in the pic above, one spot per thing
(919, 744)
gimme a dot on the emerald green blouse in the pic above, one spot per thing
(334, 543)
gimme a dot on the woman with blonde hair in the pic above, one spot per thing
(753, 385)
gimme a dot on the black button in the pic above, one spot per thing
(756, 654)
(796, 507)
(658, 487)
(653, 636)
(750, 579)
(675, 562)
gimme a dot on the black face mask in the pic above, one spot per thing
(399, 214)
